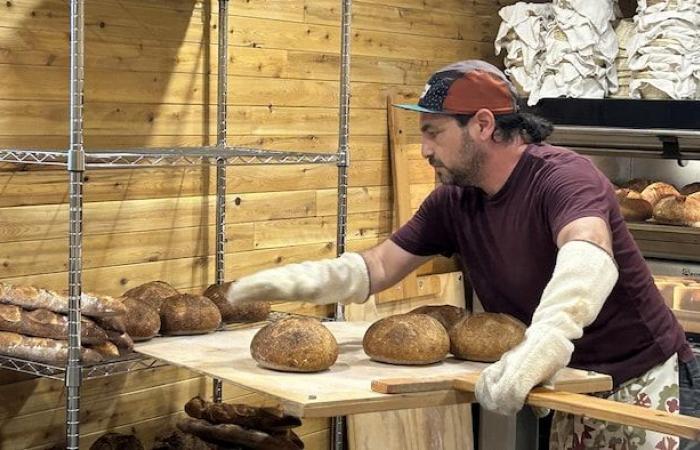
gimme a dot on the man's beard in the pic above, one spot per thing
(468, 169)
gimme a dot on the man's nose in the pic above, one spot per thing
(426, 148)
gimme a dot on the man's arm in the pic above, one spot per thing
(590, 229)
(388, 264)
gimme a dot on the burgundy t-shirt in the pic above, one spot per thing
(508, 243)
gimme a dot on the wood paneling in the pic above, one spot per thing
(151, 82)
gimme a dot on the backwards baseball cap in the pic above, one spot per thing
(466, 87)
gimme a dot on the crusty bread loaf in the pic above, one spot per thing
(186, 314)
(687, 298)
(49, 351)
(142, 321)
(244, 312)
(123, 341)
(632, 206)
(295, 344)
(117, 441)
(113, 323)
(234, 434)
(264, 419)
(656, 191)
(636, 184)
(44, 323)
(29, 297)
(679, 210)
(485, 336)
(447, 315)
(407, 339)
(152, 293)
(107, 349)
(691, 188)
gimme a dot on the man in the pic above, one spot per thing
(540, 230)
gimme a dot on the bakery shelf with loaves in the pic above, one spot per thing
(15, 348)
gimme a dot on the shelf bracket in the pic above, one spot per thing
(671, 149)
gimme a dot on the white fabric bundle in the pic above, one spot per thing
(581, 51)
(664, 54)
(625, 31)
(521, 35)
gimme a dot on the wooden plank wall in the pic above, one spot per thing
(151, 81)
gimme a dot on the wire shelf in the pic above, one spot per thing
(130, 363)
(171, 157)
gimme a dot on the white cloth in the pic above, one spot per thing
(583, 277)
(340, 280)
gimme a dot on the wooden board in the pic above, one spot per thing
(344, 389)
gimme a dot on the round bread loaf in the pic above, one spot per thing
(656, 191)
(679, 210)
(636, 184)
(691, 188)
(447, 315)
(244, 312)
(485, 336)
(407, 339)
(116, 441)
(153, 293)
(186, 314)
(295, 344)
(142, 320)
(632, 206)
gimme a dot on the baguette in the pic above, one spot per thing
(107, 349)
(49, 351)
(122, 340)
(114, 323)
(264, 419)
(29, 297)
(235, 434)
(47, 324)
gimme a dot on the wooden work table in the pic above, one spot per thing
(345, 389)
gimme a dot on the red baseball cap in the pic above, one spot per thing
(464, 88)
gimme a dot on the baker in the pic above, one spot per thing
(541, 232)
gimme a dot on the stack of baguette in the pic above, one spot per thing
(222, 426)
(642, 200)
(34, 325)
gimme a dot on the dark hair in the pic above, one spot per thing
(532, 128)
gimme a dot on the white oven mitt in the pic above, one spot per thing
(340, 280)
(584, 276)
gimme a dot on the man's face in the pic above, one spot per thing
(449, 149)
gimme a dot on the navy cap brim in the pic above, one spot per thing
(417, 108)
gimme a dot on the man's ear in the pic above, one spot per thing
(485, 124)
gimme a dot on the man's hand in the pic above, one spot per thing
(339, 280)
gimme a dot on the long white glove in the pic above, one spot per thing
(340, 280)
(584, 276)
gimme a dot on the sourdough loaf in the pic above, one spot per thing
(123, 341)
(295, 344)
(29, 297)
(407, 339)
(234, 434)
(632, 206)
(656, 191)
(243, 312)
(485, 336)
(117, 441)
(186, 314)
(142, 321)
(114, 323)
(679, 210)
(152, 293)
(44, 323)
(49, 351)
(447, 315)
(106, 349)
(264, 419)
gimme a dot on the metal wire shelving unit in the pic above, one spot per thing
(77, 160)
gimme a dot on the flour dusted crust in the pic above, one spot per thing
(244, 312)
(186, 314)
(142, 321)
(49, 351)
(447, 315)
(30, 297)
(407, 339)
(632, 206)
(152, 293)
(44, 323)
(295, 344)
(485, 336)
(656, 191)
(679, 210)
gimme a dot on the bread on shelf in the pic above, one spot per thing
(447, 315)
(678, 210)
(691, 188)
(152, 293)
(186, 314)
(485, 336)
(632, 206)
(244, 312)
(656, 191)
